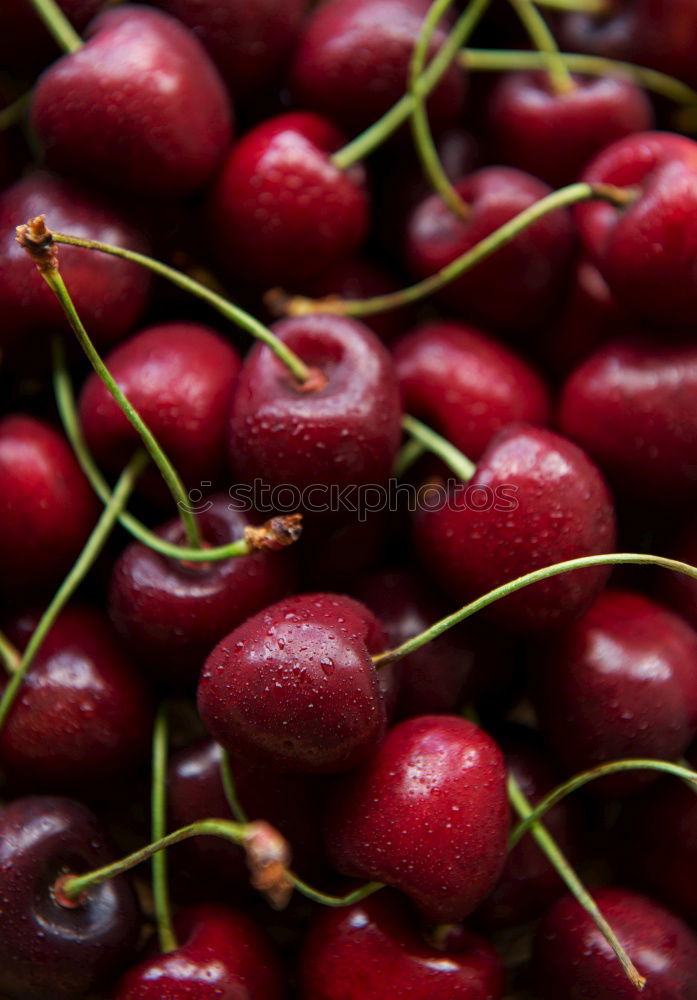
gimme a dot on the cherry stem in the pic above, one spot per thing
(65, 36)
(298, 305)
(458, 463)
(9, 655)
(501, 60)
(576, 6)
(13, 113)
(230, 789)
(229, 310)
(409, 453)
(93, 546)
(542, 38)
(585, 777)
(336, 901)
(158, 828)
(545, 573)
(420, 126)
(559, 862)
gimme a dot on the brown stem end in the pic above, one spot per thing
(268, 860)
(37, 239)
(277, 533)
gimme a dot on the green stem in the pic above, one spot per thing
(421, 129)
(576, 6)
(536, 576)
(320, 897)
(579, 780)
(158, 828)
(222, 305)
(409, 453)
(65, 36)
(9, 655)
(458, 463)
(93, 546)
(542, 38)
(554, 855)
(230, 790)
(13, 113)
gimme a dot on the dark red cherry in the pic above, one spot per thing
(294, 686)
(575, 961)
(47, 949)
(82, 716)
(620, 682)
(372, 949)
(535, 500)
(222, 955)
(352, 59)
(427, 814)
(172, 614)
(345, 432)
(532, 267)
(47, 508)
(553, 135)
(633, 406)
(140, 107)
(248, 42)
(280, 211)
(466, 385)
(26, 45)
(180, 378)
(109, 294)
(645, 249)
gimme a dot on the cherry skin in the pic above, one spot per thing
(620, 682)
(352, 60)
(83, 715)
(371, 949)
(47, 508)
(345, 432)
(140, 107)
(532, 267)
(427, 814)
(633, 406)
(294, 686)
(466, 385)
(172, 614)
(180, 378)
(535, 499)
(283, 213)
(222, 955)
(574, 960)
(47, 949)
(553, 135)
(109, 294)
(645, 249)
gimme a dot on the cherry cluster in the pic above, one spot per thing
(429, 270)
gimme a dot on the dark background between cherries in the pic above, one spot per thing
(572, 349)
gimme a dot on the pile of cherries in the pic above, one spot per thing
(469, 260)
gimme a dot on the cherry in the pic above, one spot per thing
(25, 44)
(574, 960)
(47, 948)
(345, 432)
(280, 211)
(248, 43)
(535, 500)
(83, 715)
(532, 267)
(222, 954)
(180, 377)
(620, 682)
(352, 59)
(140, 107)
(109, 294)
(371, 949)
(47, 508)
(553, 135)
(466, 385)
(294, 686)
(644, 249)
(633, 406)
(427, 814)
(172, 614)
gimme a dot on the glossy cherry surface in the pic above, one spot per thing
(427, 814)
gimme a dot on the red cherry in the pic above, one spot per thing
(427, 814)
(535, 500)
(280, 211)
(294, 686)
(372, 949)
(140, 107)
